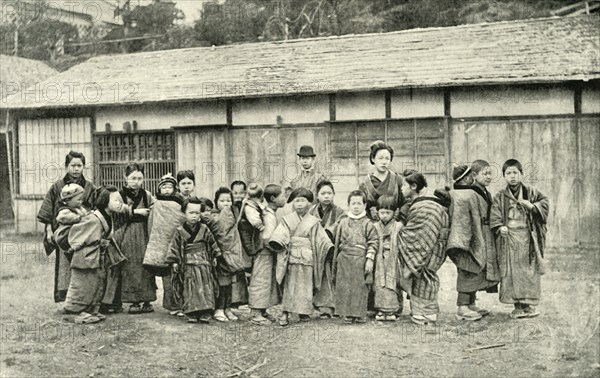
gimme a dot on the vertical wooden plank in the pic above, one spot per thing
(589, 131)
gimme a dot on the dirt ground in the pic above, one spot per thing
(563, 341)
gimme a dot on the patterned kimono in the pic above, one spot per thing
(303, 246)
(263, 291)
(193, 248)
(329, 217)
(47, 215)
(137, 284)
(356, 240)
(468, 244)
(521, 251)
(88, 238)
(375, 188)
(422, 251)
(388, 294)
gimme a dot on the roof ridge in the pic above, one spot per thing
(348, 36)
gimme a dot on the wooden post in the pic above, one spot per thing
(16, 43)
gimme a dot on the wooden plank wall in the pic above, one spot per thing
(548, 149)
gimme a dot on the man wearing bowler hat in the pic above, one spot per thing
(308, 176)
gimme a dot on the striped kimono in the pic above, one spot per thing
(47, 215)
(422, 251)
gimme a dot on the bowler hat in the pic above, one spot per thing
(306, 151)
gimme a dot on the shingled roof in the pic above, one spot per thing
(19, 73)
(534, 51)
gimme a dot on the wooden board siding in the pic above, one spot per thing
(548, 150)
(42, 147)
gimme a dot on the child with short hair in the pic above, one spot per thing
(238, 192)
(388, 295)
(356, 244)
(251, 220)
(208, 206)
(193, 254)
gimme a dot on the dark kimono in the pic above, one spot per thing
(308, 179)
(469, 244)
(422, 251)
(136, 283)
(521, 251)
(356, 240)
(303, 246)
(375, 188)
(88, 265)
(194, 249)
(329, 217)
(47, 215)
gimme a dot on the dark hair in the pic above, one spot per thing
(301, 192)
(74, 155)
(478, 165)
(239, 182)
(357, 193)
(323, 183)
(194, 200)
(417, 179)
(222, 190)
(512, 163)
(387, 203)
(272, 190)
(409, 171)
(133, 167)
(255, 190)
(207, 203)
(103, 197)
(186, 174)
(380, 145)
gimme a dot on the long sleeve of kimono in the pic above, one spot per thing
(496, 212)
(542, 205)
(280, 239)
(66, 216)
(253, 217)
(270, 220)
(175, 248)
(372, 241)
(46, 213)
(84, 233)
(212, 242)
(417, 239)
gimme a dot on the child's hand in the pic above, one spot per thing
(503, 230)
(374, 214)
(528, 205)
(369, 266)
(215, 261)
(104, 243)
(142, 212)
(176, 268)
(49, 235)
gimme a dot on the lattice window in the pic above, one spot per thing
(155, 150)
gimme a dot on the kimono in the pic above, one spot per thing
(521, 251)
(329, 216)
(470, 245)
(47, 215)
(422, 251)
(356, 240)
(308, 179)
(375, 188)
(231, 265)
(136, 283)
(164, 219)
(194, 248)
(263, 291)
(303, 246)
(388, 295)
(88, 239)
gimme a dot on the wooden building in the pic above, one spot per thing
(440, 96)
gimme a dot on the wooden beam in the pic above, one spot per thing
(388, 104)
(332, 110)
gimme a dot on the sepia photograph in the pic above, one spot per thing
(299, 188)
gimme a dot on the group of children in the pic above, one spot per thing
(264, 246)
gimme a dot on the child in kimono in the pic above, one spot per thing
(230, 266)
(70, 212)
(263, 291)
(208, 206)
(89, 239)
(303, 246)
(422, 247)
(163, 221)
(193, 255)
(238, 192)
(518, 218)
(356, 244)
(388, 295)
(252, 206)
(186, 183)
